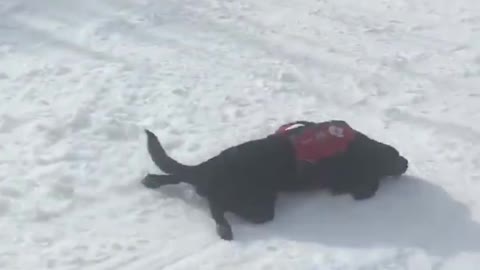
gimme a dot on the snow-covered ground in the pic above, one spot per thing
(79, 80)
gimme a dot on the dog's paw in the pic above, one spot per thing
(225, 231)
(151, 181)
(367, 190)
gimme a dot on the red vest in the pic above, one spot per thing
(316, 141)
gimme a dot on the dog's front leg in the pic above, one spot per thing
(365, 189)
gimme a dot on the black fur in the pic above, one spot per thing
(245, 179)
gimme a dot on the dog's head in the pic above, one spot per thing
(388, 161)
(378, 159)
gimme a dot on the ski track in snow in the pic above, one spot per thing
(80, 80)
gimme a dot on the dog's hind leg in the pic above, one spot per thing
(224, 230)
(156, 181)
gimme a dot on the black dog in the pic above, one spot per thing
(245, 179)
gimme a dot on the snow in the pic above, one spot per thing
(79, 80)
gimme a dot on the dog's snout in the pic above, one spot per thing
(402, 165)
(404, 161)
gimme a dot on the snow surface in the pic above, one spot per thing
(79, 80)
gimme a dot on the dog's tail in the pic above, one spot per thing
(162, 160)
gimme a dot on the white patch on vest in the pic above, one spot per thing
(336, 131)
(294, 126)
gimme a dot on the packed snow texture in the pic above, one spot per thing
(80, 80)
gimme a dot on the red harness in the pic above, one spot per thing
(316, 141)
